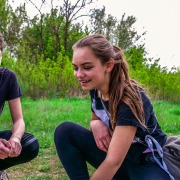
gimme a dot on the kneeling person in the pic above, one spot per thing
(16, 146)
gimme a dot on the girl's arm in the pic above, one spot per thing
(102, 134)
(18, 128)
(119, 146)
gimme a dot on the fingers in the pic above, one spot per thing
(101, 146)
(6, 143)
(15, 150)
(4, 151)
(10, 148)
(15, 147)
(103, 143)
(102, 134)
(3, 155)
(106, 139)
(110, 133)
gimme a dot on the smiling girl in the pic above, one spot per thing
(122, 116)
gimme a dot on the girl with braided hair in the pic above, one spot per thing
(122, 115)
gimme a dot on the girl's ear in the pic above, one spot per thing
(110, 65)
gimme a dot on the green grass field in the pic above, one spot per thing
(43, 116)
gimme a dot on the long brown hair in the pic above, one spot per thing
(121, 87)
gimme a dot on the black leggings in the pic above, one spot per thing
(30, 149)
(75, 145)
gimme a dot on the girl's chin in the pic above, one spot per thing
(86, 88)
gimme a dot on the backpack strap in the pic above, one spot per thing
(150, 141)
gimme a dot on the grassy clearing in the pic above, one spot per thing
(43, 116)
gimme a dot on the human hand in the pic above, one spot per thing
(102, 134)
(4, 148)
(15, 146)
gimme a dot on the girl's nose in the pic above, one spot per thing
(80, 74)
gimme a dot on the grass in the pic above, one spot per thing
(168, 115)
(43, 116)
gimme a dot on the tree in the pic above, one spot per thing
(102, 23)
(11, 25)
(120, 33)
(125, 34)
(5, 17)
(69, 11)
(40, 24)
(5, 14)
(97, 20)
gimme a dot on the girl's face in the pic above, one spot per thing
(89, 70)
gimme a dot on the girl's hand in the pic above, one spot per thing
(102, 134)
(4, 148)
(15, 147)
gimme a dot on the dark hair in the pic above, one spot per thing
(1, 42)
(121, 87)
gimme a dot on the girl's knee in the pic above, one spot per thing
(61, 131)
(63, 128)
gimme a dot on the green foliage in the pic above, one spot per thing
(7, 60)
(39, 50)
(159, 83)
(47, 78)
(5, 13)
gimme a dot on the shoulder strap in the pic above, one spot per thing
(150, 141)
(109, 115)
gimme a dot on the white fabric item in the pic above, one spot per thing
(3, 175)
(101, 114)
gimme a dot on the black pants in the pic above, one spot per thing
(30, 149)
(75, 145)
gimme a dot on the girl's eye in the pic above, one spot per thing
(75, 68)
(87, 67)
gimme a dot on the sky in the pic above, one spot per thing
(160, 18)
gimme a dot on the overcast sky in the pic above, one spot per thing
(160, 18)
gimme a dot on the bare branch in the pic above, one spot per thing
(79, 17)
(83, 4)
(35, 6)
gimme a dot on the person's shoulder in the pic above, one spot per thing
(9, 73)
(8, 76)
(6, 71)
(144, 96)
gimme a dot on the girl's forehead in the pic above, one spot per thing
(84, 54)
(83, 51)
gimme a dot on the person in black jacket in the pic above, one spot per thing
(16, 146)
